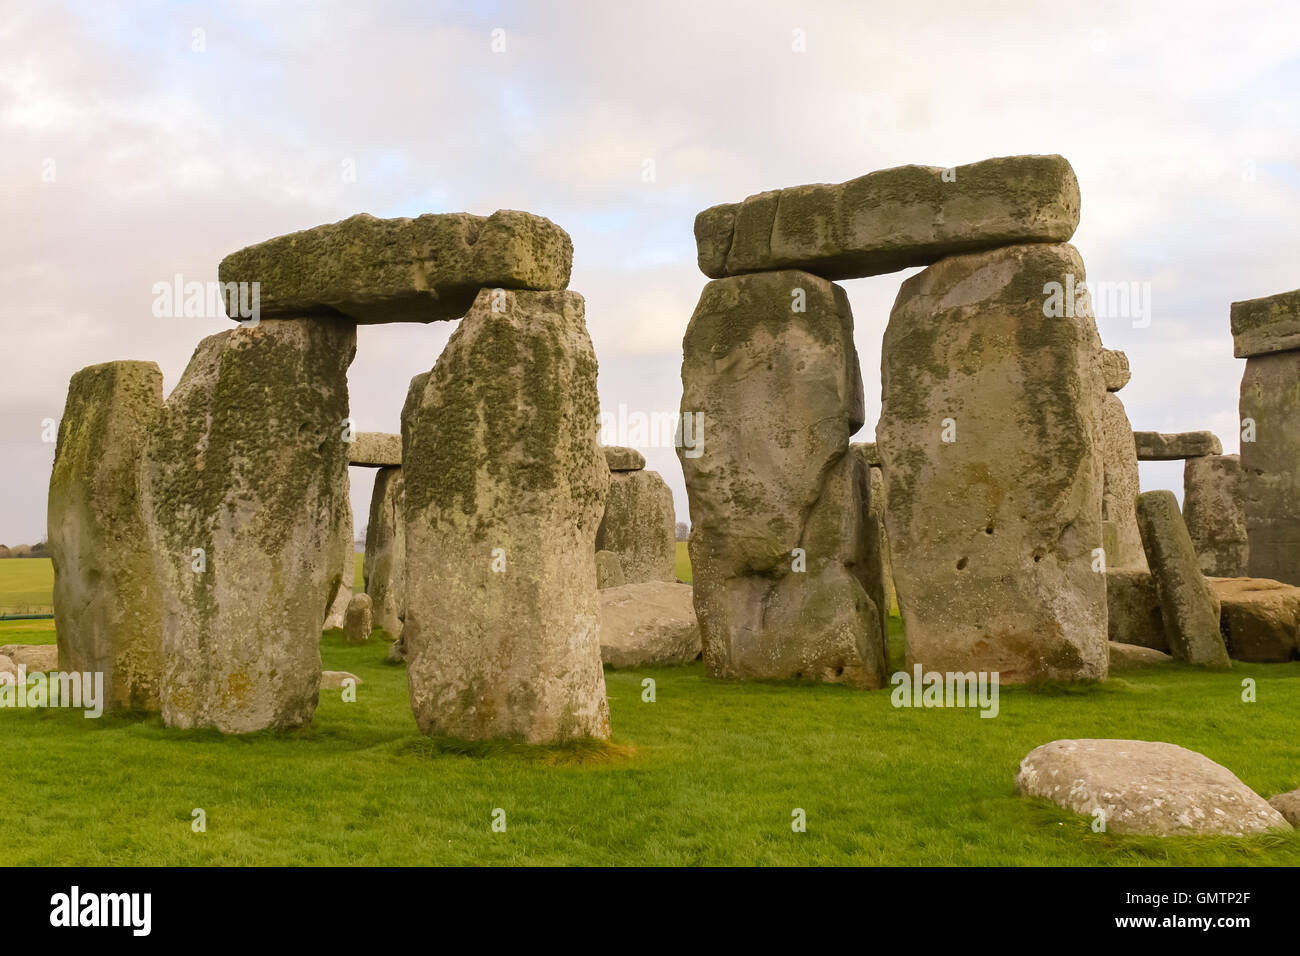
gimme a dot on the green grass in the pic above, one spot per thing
(707, 774)
(683, 563)
(26, 583)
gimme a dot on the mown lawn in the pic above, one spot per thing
(709, 773)
(26, 583)
(683, 563)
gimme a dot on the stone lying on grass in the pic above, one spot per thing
(1145, 787)
(1154, 446)
(1287, 804)
(7, 665)
(1260, 619)
(333, 680)
(375, 450)
(1126, 656)
(647, 625)
(402, 270)
(37, 658)
(891, 219)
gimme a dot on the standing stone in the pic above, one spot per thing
(776, 499)
(247, 463)
(1121, 485)
(639, 526)
(505, 487)
(357, 622)
(1270, 465)
(609, 570)
(106, 601)
(342, 566)
(1188, 604)
(881, 575)
(892, 218)
(385, 561)
(1212, 510)
(989, 434)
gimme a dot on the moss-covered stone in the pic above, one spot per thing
(385, 561)
(640, 526)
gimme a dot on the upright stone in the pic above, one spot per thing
(891, 219)
(1188, 604)
(385, 561)
(106, 600)
(640, 526)
(505, 488)
(244, 495)
(358, 621)
(1121, 485)
(881, 575)
(989, 434)
(1212, 510)
(1270, 465)
(777, 524)
(342, 566)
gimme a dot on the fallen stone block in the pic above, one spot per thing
(1287, 804)
(1154, 446)
(402, 270)
(1129, 656)
(333, 680)
(1266, 325)
(1145, 787)
(1260, 619)
(37, 658)
(891, 219)
(650, 624)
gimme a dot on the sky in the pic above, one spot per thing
(148, 139)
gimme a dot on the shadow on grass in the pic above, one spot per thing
(585, 752)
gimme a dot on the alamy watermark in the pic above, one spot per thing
(1101, 300)
(936, 689)
(638, 429)
(208, 300)
(75, 690)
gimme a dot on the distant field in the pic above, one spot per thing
(683, 563)
(26, 583)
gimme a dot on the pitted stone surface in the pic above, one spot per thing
(1270, 479)
(1121, 486)
(1259, 619)
(650, 624)
(1267, 325)
(623, 459)
(1154, 446)
(1212, 510)
(639, 526)
(1114, 366)
(385, 561)
(375, 450)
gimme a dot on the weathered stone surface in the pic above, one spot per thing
(1121, 485)
(609, 570)
(992, 533)
(1129, 656)
(1133, 610)
(1147, 787)
(780, 392)
(639, 526)
(385, 562)
(342, 564)
(505, 488)
(1188, 605)
(1259, 619)
(333, 680)
(1287, 804)
(1154, 446)
(1270, 478)
(880, 576)
(1114, 369)
(1212, 510)
(402, 270)
(357, 622)
(1267, 325)
(891, 219)
(648, 625)
(869, 452)
(35, 657)
(247, 463)
(107, 606)
(623, 459)
(375, 450)
(7, 666)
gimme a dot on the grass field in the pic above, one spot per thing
(709, 773)
(683, 563)
(26, 583)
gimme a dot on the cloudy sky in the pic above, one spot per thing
(156, 138)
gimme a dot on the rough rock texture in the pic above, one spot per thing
(780, 391)
(342, 564)
(333, 680)
(36, 657)
(375, 450)
(502, 468)
(1145, 787)
(357, 622)
(879, 570)
(1267, 325)
(1154, 446)
(992, 534)
(609, 570)
(247, 462)
(1128, 656)
(1121, 485)
(107, 606)
(385, 562)
(1260, 619)
(1287, 804)
(1212, 510)
(402, 270)
(891, 219)
(1270, 478)
(1114, 369)
(623, 459)
(1133, 610)
(648, 625)
(639, 526)
(1188, 605)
